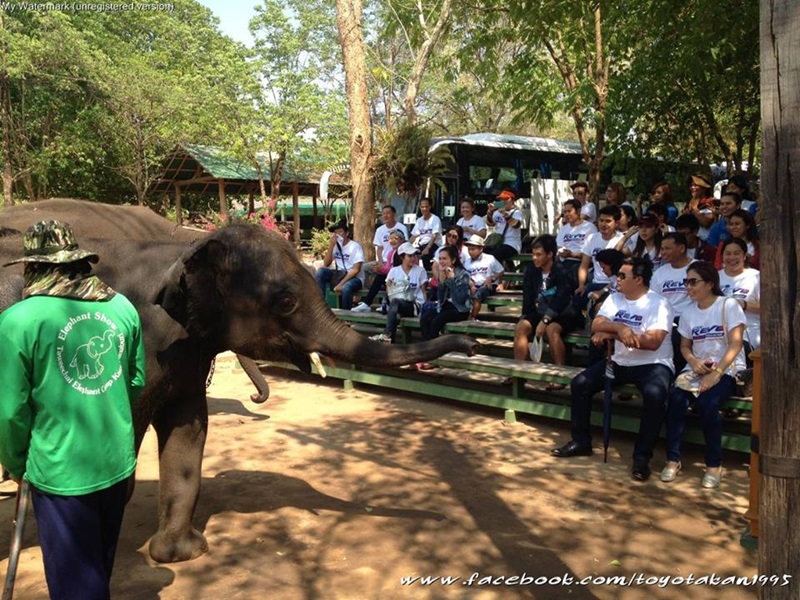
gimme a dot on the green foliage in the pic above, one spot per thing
(403, 163)
(320, 241)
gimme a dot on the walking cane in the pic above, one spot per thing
(23, 495)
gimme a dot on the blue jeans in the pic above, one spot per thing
(398, 308)
(78, 535)
(652, 381)
(708, 407)
(323, 278)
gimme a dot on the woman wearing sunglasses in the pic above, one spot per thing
(711, 331)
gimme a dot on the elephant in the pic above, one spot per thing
(242, 289)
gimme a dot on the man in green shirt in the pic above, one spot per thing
(73, 362)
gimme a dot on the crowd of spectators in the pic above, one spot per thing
(672, 294)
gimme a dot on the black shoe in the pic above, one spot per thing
(571, 448)
(640, 471)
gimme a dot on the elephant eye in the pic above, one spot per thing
(285, 303)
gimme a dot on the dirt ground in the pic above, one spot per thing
(323, 493)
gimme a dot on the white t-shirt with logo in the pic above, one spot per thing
(745, 286)
(593, 244)
(572, 238)
(381, 237)
(513, 235)
(704, 328)
(350, 254)
(476, 222)
(648, 313)
(481, 268)
(425, 229)
(668, 281)
(416, 278)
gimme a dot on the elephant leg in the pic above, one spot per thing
(181, 427)
(254, 373)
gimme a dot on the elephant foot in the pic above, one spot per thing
(170, 548)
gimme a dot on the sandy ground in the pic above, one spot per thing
(323, 493)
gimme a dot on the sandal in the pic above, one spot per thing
(555, 387)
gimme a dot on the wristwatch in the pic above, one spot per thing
(718, 370)
(546, 320)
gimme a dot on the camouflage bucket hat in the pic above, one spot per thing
(52, 242)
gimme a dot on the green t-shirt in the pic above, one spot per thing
(69, 372)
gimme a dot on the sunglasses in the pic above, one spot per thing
(623, 276)
(692, 281)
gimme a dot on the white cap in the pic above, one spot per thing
(406, 248)
(474, 240)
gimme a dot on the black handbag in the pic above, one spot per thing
(495, 240)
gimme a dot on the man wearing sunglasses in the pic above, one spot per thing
(637, 321)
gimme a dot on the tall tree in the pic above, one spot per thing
(779, 541)
(351, 37)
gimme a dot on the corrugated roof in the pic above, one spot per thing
(513, 142)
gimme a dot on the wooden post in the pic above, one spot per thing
(296, 212)
(755, 438)
(779, 204)
(178, 208)
(223, 201)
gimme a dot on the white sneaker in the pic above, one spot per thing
(361, 307)
(381, 337)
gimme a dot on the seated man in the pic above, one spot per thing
(547, 309)
(484, 273)
(638, 322)
(381, 239)
(346, 257)
(607, 236)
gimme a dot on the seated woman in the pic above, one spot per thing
(742, 225)
(743, 284)
(711, 342)
(392, 260)
(454, 236)
(644, 240)
(406, 286)
(453, 300)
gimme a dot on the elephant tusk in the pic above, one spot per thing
(317, 364)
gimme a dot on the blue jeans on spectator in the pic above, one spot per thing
(398, 308)
(708, 408)
(652, 381)
(323, 278)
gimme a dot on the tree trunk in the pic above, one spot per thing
(5, 103)
(351, 36)
(779, 542)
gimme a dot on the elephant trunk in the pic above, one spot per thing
(336, 339)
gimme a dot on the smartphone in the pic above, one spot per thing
(499, 204)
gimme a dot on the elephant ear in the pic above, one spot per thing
(194, 282)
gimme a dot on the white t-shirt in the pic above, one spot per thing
(668, 281)
(589, 212)
(351, 254)
(476, 223)
(513, 234)
(381, 237)
(593, 244)
(704, 328)
(416, 278)
(654, 254)
(482, 268)
(425, 229)
(572, 238)
(464, 254)
(745, 286)
(650, 312)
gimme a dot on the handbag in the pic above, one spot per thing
(338, 274)
(495, 240)
(535, 349)
(401, 290)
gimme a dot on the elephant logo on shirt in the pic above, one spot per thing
(86, 361)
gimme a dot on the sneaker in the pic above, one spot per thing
(381, 337)
(361, 307)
